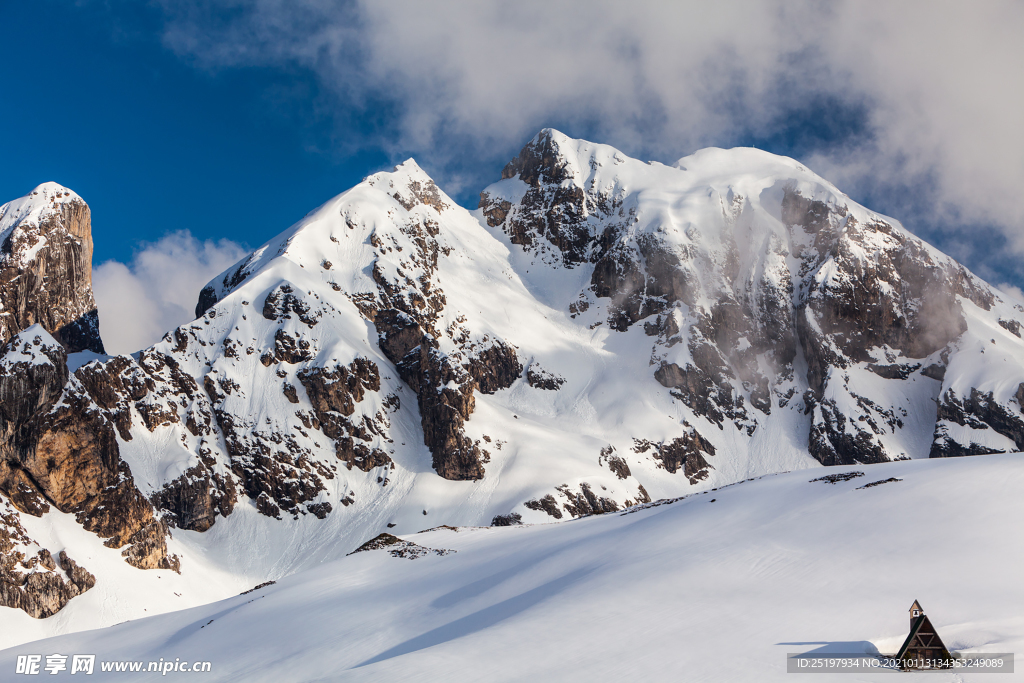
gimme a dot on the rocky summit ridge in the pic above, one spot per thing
(601, 331)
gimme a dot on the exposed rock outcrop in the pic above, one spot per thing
(195, 499)
(539, 378)
(444, 390)
(511, 519)
(551, 209)
(30, 579)
(273, 469)
(442, 366)
(685, 452)
(334, 394)
(283, 302)
(582, 502)
(46, 268)
(55, 449)
(822, 279)
(978, 411)
(615, 463)
(546, 503)
(586, 501)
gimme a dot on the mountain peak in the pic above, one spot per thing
(410, 185)
(411, 167)
(46, 267)
(53, 190)
(316, 239)
(34, 208)
(553, 157)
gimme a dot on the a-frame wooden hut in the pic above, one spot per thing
(923, 649)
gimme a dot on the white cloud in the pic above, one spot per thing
(1013, 292)
(939, 82)
(158, 290)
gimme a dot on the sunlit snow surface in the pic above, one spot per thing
(33, 208)
(717, 586)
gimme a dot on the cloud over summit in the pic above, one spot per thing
(158, 290)
(888, 100)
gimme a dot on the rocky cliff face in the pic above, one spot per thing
(781, 290)
(443, 364)
(29, 576)
(57, 449)
(46, 268)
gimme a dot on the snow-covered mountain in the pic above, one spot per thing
(767, 291)
(601, 332)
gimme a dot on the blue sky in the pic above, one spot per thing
(152, 144)
(230, 120)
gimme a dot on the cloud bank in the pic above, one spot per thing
(916, 102)
(158, 290)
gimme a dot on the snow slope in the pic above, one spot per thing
(716, 586)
